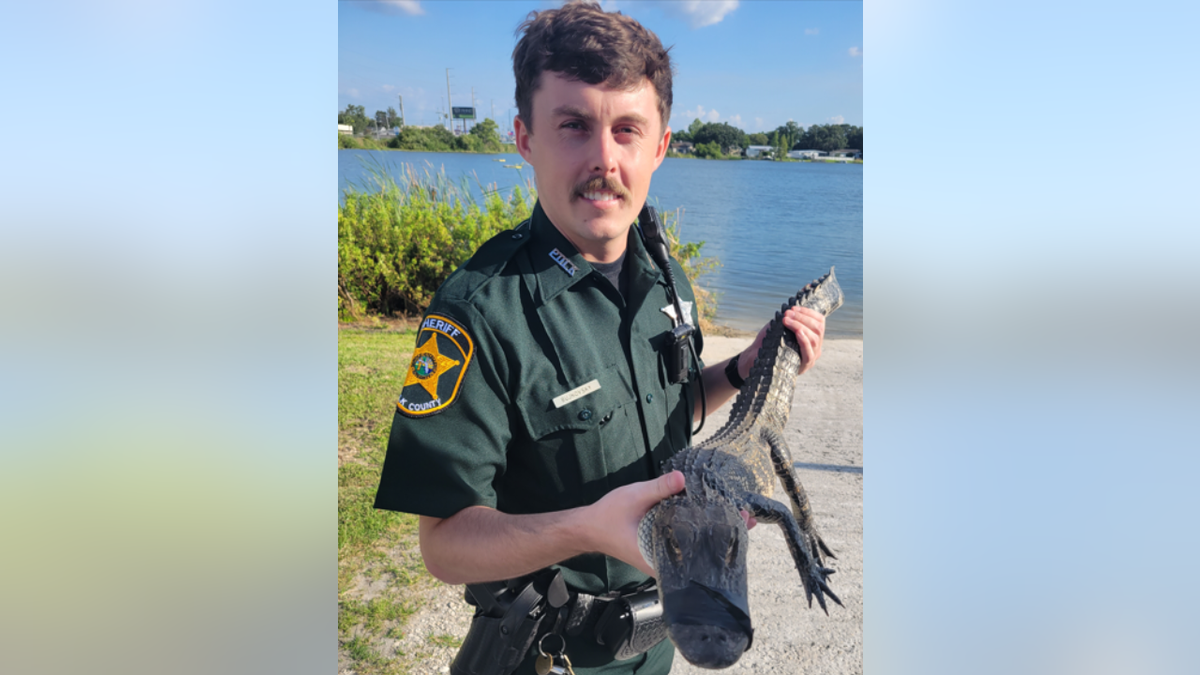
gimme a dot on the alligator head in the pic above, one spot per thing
(698, 550)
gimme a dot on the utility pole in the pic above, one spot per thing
(472, 103)
(401, 110)
(450, 106)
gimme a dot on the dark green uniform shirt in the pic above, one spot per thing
(524, 322)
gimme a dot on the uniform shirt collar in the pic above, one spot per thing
(553, 270)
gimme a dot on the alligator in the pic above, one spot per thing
(696, 541)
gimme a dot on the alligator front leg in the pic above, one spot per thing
(812, 573)
(781, 459)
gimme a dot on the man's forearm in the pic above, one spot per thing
(717, 389)
(481, 544)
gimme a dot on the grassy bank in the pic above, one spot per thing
(379, 566)
(431, 139)
(402, 234)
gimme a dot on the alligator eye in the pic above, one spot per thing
(731, 554)
(673, 549)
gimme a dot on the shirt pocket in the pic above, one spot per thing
(576, 452)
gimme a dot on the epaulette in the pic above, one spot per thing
(487, 262)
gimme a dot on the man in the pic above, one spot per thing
(538, 408)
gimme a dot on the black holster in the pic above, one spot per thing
(509, 616)
(632, 624)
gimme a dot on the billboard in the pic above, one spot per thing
(461, 113)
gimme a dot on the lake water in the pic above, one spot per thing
(774, 226)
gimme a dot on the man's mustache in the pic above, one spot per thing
(598, 183)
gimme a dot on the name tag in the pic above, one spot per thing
(577, 393)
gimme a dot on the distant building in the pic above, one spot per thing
(756, 150)
(804, 154)
(345, 130)
(847, 152)
(682, 147)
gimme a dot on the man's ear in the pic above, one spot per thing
(660, 152)
(521, 134)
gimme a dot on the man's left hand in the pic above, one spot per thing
(809, 327)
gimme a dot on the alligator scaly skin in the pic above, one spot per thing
(696, 540)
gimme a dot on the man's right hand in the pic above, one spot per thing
(615, 518)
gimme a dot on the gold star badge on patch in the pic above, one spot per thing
(428, 365)
(438, 366)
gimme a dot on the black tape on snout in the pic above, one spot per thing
(699, 605)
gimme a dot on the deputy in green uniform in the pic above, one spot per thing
(538, 406)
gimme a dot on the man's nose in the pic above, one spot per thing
(603, 147)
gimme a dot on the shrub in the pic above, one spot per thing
(693, 265)
(708, 151)
(348, 142)
(400, 240)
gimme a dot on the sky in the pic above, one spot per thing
(752, 64)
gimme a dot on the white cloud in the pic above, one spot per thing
(701, 114)
(736, 121)
(837, 119)
(701, 13)
(394, 7)
(759, 124)
(388, 88)
(855, 51)
(811, 31)
(352, 93)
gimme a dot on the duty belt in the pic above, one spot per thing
(519, 613)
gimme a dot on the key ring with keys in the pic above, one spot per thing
(551, 650)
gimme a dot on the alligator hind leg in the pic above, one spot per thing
(781, 457)
(812, 573)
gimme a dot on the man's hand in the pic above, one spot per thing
(613, 521)
(619, 513)
(809, 328)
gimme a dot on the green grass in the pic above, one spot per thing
(372, 545)
(446, 640)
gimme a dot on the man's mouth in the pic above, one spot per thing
(601, 190)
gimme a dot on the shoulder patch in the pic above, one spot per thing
(439, 362)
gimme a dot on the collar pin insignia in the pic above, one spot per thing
(563, 261)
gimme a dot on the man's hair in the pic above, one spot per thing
(583, 42)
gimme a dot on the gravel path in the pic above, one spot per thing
(826, 439)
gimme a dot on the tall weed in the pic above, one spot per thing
(694, 266)
(400, 236)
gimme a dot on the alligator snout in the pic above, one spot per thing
(710, 629)
(709, 646)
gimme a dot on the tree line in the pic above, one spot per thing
(717, 137)
(710, 139)
(356, 116)
(483, 137)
